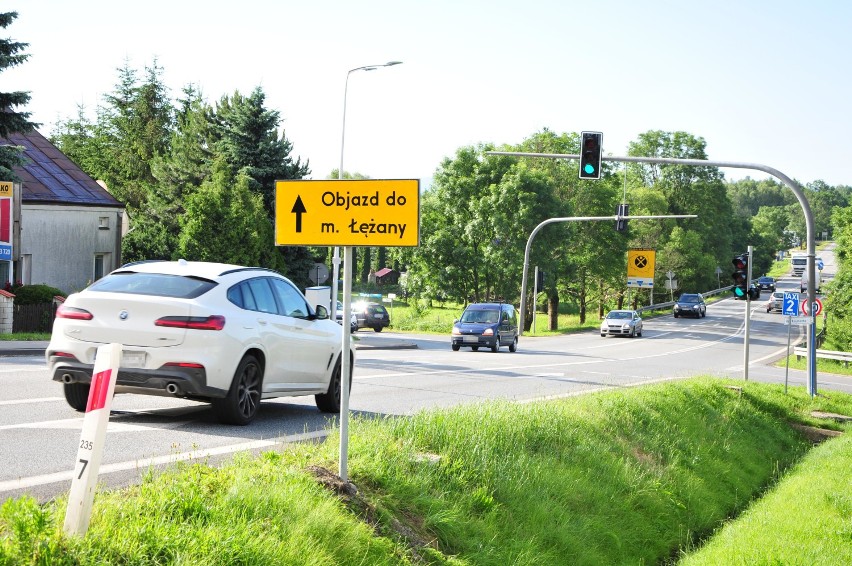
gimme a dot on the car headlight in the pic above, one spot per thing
(488, 332)
(456, 331)
(625, 326)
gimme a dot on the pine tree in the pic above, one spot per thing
(11, 121)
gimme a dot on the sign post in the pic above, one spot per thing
(347, 213)
(92, 439)
(789, 308)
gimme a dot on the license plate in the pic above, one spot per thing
(471, 338)
(378, 316)
(132, 359)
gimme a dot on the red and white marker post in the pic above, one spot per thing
(92, 439)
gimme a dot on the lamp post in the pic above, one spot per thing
(336, 258)
(347, 296)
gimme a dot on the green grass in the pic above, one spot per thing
(627, 476)
(28, 336)
(805, 519)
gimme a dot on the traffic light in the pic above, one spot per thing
(590, 155)
(740, 276)
(620, 222)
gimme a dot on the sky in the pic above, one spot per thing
(764, 82)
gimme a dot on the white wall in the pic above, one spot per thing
(63, 241)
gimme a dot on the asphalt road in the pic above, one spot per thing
(39, 432)
(398, 374)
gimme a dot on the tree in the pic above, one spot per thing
(10, 120)
(586, 260)
(690, 190)
(132, 128)
(245, 134)
(225, 221)
(178, 174)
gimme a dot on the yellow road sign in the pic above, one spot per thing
(640, 267)
(5, 188)
(365, 212)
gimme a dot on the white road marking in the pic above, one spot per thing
(24, 483)
(37, 400)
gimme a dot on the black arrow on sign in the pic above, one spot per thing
(298, 209)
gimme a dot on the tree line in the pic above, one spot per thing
(198, 178)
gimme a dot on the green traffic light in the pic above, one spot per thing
(589, 169)
(739, 292)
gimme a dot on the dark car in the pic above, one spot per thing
(487, 325)
(372, 315)
(690, 304)
(766, 283)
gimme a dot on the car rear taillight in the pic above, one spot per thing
(212, 322)
(183, 365)
(63, 355)
(73, 313)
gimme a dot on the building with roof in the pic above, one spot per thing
(387, 276)
(66, 228)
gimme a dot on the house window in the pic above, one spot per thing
(103, 223)
(100, 261)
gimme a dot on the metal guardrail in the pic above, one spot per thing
(670, 304)
(844, 357)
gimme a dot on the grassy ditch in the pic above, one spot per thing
(642, 475)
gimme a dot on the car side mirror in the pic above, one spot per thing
(321, 313)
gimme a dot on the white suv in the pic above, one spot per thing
(226, 334)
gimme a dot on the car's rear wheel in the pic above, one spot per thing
(77, 395)
(240, 406)
(329, 402)
(513, 347)
(377, 328)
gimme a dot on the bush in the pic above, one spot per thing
(35, 294)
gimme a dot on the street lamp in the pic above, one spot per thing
(336, 259)
(347, 296)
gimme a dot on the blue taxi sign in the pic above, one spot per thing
(791, 304)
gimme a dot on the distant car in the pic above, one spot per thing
(766, 283)
(622, 323)
(803, 284)
(372, 315)
(486, 325)
(690, 304)
(353, 318)
(755, 292)
(225, 334)
(775, 302)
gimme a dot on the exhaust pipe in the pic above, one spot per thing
(173, 388)
(68, 378)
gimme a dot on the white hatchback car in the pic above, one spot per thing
(225, 334)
